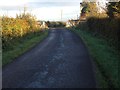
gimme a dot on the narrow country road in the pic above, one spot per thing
(60, 61)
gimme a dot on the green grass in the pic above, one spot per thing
(105, 58)
(19, 47)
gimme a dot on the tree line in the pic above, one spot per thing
(105, 24)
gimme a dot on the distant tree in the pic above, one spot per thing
(55, 24)
(31, 19)
(113, 9)
(84, 5)
(48, 23)
(92, 9)
(89, 8)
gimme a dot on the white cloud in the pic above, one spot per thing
(49, 12)
(12, 2)
(54, 13)
(55, 0)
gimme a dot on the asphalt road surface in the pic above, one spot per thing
(59, 61)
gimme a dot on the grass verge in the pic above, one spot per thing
(105, 58)
(21, 46)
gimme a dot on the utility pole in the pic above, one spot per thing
(77, 17)
(25, 9)
(61, 14)
(19, 10)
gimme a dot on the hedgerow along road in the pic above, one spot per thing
(59, 61)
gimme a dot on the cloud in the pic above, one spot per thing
(55, 0)
(54, 13)
(45, 9)
(52, 4)
(6, 3)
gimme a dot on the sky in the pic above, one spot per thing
(48, 10)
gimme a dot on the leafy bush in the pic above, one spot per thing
(16, 28)
(106, 28)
